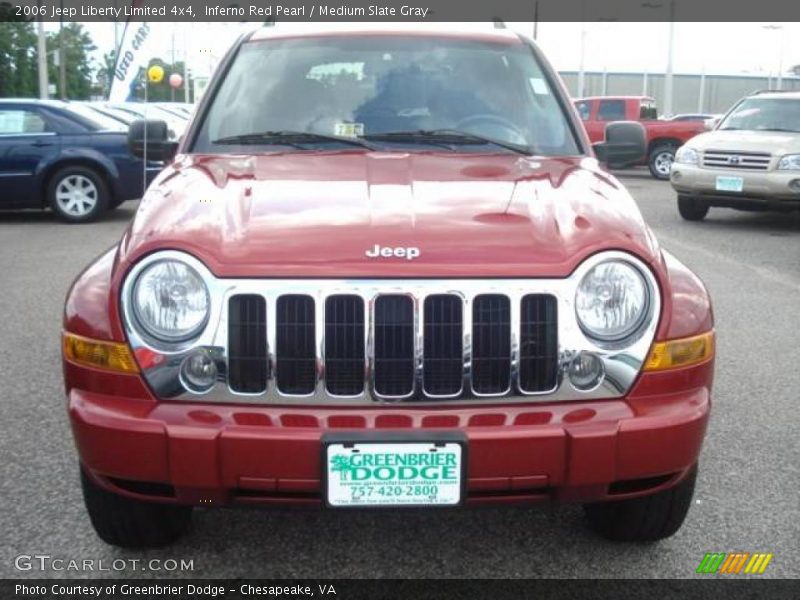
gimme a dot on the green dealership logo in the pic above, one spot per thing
(392, 466)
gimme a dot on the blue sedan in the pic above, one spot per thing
(64, 156)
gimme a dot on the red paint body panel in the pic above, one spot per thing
(316, 214)
(560, 450)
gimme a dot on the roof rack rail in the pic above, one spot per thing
(769, 91)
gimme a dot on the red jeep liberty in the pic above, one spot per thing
(386, 269)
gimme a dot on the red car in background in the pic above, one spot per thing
(663, 137)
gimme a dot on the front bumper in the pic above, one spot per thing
(768, 189)
(214, 454)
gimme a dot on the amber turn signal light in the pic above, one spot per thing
(680, 353)
(111, 356)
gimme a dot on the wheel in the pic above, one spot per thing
(129, 523)
(645, 519)
(77, 194)
(660, 160)
(692, 209)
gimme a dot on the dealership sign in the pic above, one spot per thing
(131, 57)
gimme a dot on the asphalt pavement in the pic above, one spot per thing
(747, 493)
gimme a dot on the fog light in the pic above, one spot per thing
(794, 185)
(198, 371)
(586, 371)
(676, 175)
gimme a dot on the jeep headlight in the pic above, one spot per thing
(687, 156)
(170, 301)
(612, 301)
(790, 162)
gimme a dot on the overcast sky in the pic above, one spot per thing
(717, 48)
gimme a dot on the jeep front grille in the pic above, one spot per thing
(752, 161)
(345, 347)
(392, 346)
(491, 344)
(443, 353)
(538, 344)
(248, 367)
(357, 341)
(295, 365)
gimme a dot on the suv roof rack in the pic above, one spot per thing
(768, 91)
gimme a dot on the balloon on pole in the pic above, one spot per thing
(155, 74)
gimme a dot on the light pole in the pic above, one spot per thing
(667, 106)
(581, 70)
(780, 50)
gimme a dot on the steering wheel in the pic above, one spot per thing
(475, 123)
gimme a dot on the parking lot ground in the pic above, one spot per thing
(746, 498)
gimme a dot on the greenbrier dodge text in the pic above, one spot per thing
(203, 591)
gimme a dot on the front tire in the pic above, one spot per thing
(130, 523)
(644, 519)
(692, 209)
(660, 160)
(77, 194)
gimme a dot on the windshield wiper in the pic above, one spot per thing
(290, 138)
(445, 137)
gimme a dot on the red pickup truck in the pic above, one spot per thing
(663, 137)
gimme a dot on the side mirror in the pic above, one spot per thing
(152, 136)
(711, 124)
(625, 144)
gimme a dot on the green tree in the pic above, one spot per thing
(78, 47)
(105, 74)
(340, 464)
(18, 76)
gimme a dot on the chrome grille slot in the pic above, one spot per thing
(491, 344)
(538, 352)
(393, 346)
(443, 354)
(248, 367)
(295, 345)
(753, 161)
(344, 345)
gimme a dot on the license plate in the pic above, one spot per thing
(730, 184)
(394, 473)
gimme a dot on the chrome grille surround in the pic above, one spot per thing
(745, 161)
(622, 360)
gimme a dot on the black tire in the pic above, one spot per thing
(645, 519)
(657, 157)
(692, 209)
(128, 523)
(99, 193)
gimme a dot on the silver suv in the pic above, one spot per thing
(749, 161)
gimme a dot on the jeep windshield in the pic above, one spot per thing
(414, 93)
(764, 114)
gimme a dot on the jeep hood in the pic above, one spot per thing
(317, 214)
(772, 142)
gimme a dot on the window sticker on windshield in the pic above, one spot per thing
(349, 129)
(539, 86)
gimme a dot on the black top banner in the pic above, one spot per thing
(400, 10)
